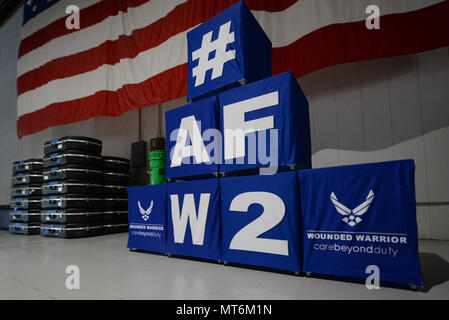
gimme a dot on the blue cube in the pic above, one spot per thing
(225, 50)
(361, 219)
(193, 139)
(147, 218)
(261, 222)
(265, 124)
(194, 219)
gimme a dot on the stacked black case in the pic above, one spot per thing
(75, 193)
(116, 179)
(72, 189)
(26, 196)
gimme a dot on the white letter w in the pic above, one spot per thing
(188, 211)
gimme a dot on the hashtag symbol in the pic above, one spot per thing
(222, 56)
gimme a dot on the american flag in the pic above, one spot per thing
(130, 54)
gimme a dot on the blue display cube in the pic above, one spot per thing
(260, 221)
(193, 139)
(225, 50)
(147, 218)
(194, 219)
(265, 124)
(361, 218)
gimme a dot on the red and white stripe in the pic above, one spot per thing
(132, 54)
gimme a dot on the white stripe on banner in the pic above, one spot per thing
(109, 29)
(147, 64)
(284, 27)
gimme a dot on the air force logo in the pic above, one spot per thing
(352, 217)
(145, 213)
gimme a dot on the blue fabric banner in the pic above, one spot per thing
(147, 218)
(226, 49)
(260, 221)
(358, 216)
(192, 147)
(277, 111)
(194, 219)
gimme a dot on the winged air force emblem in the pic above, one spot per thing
(352, 217)
(145, 213)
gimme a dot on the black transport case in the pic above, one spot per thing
(27, 178)
(73, 143)
(71, 201)
(111, 191)
(116, 216)
(26, 203)
(115, 178)
(71, 186)
(28, 216)
(64, 216)
(71, 230)
(26, 191)
(116, 164)
(24, 228)
(72, 172)
(117, 203)
(27, 165)
(66, 157)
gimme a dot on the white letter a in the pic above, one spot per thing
(189, 127)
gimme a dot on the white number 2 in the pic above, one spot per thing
(247, 239)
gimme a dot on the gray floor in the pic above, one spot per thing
(33, 267)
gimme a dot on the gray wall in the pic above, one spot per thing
(10, 148)
(369, 111)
